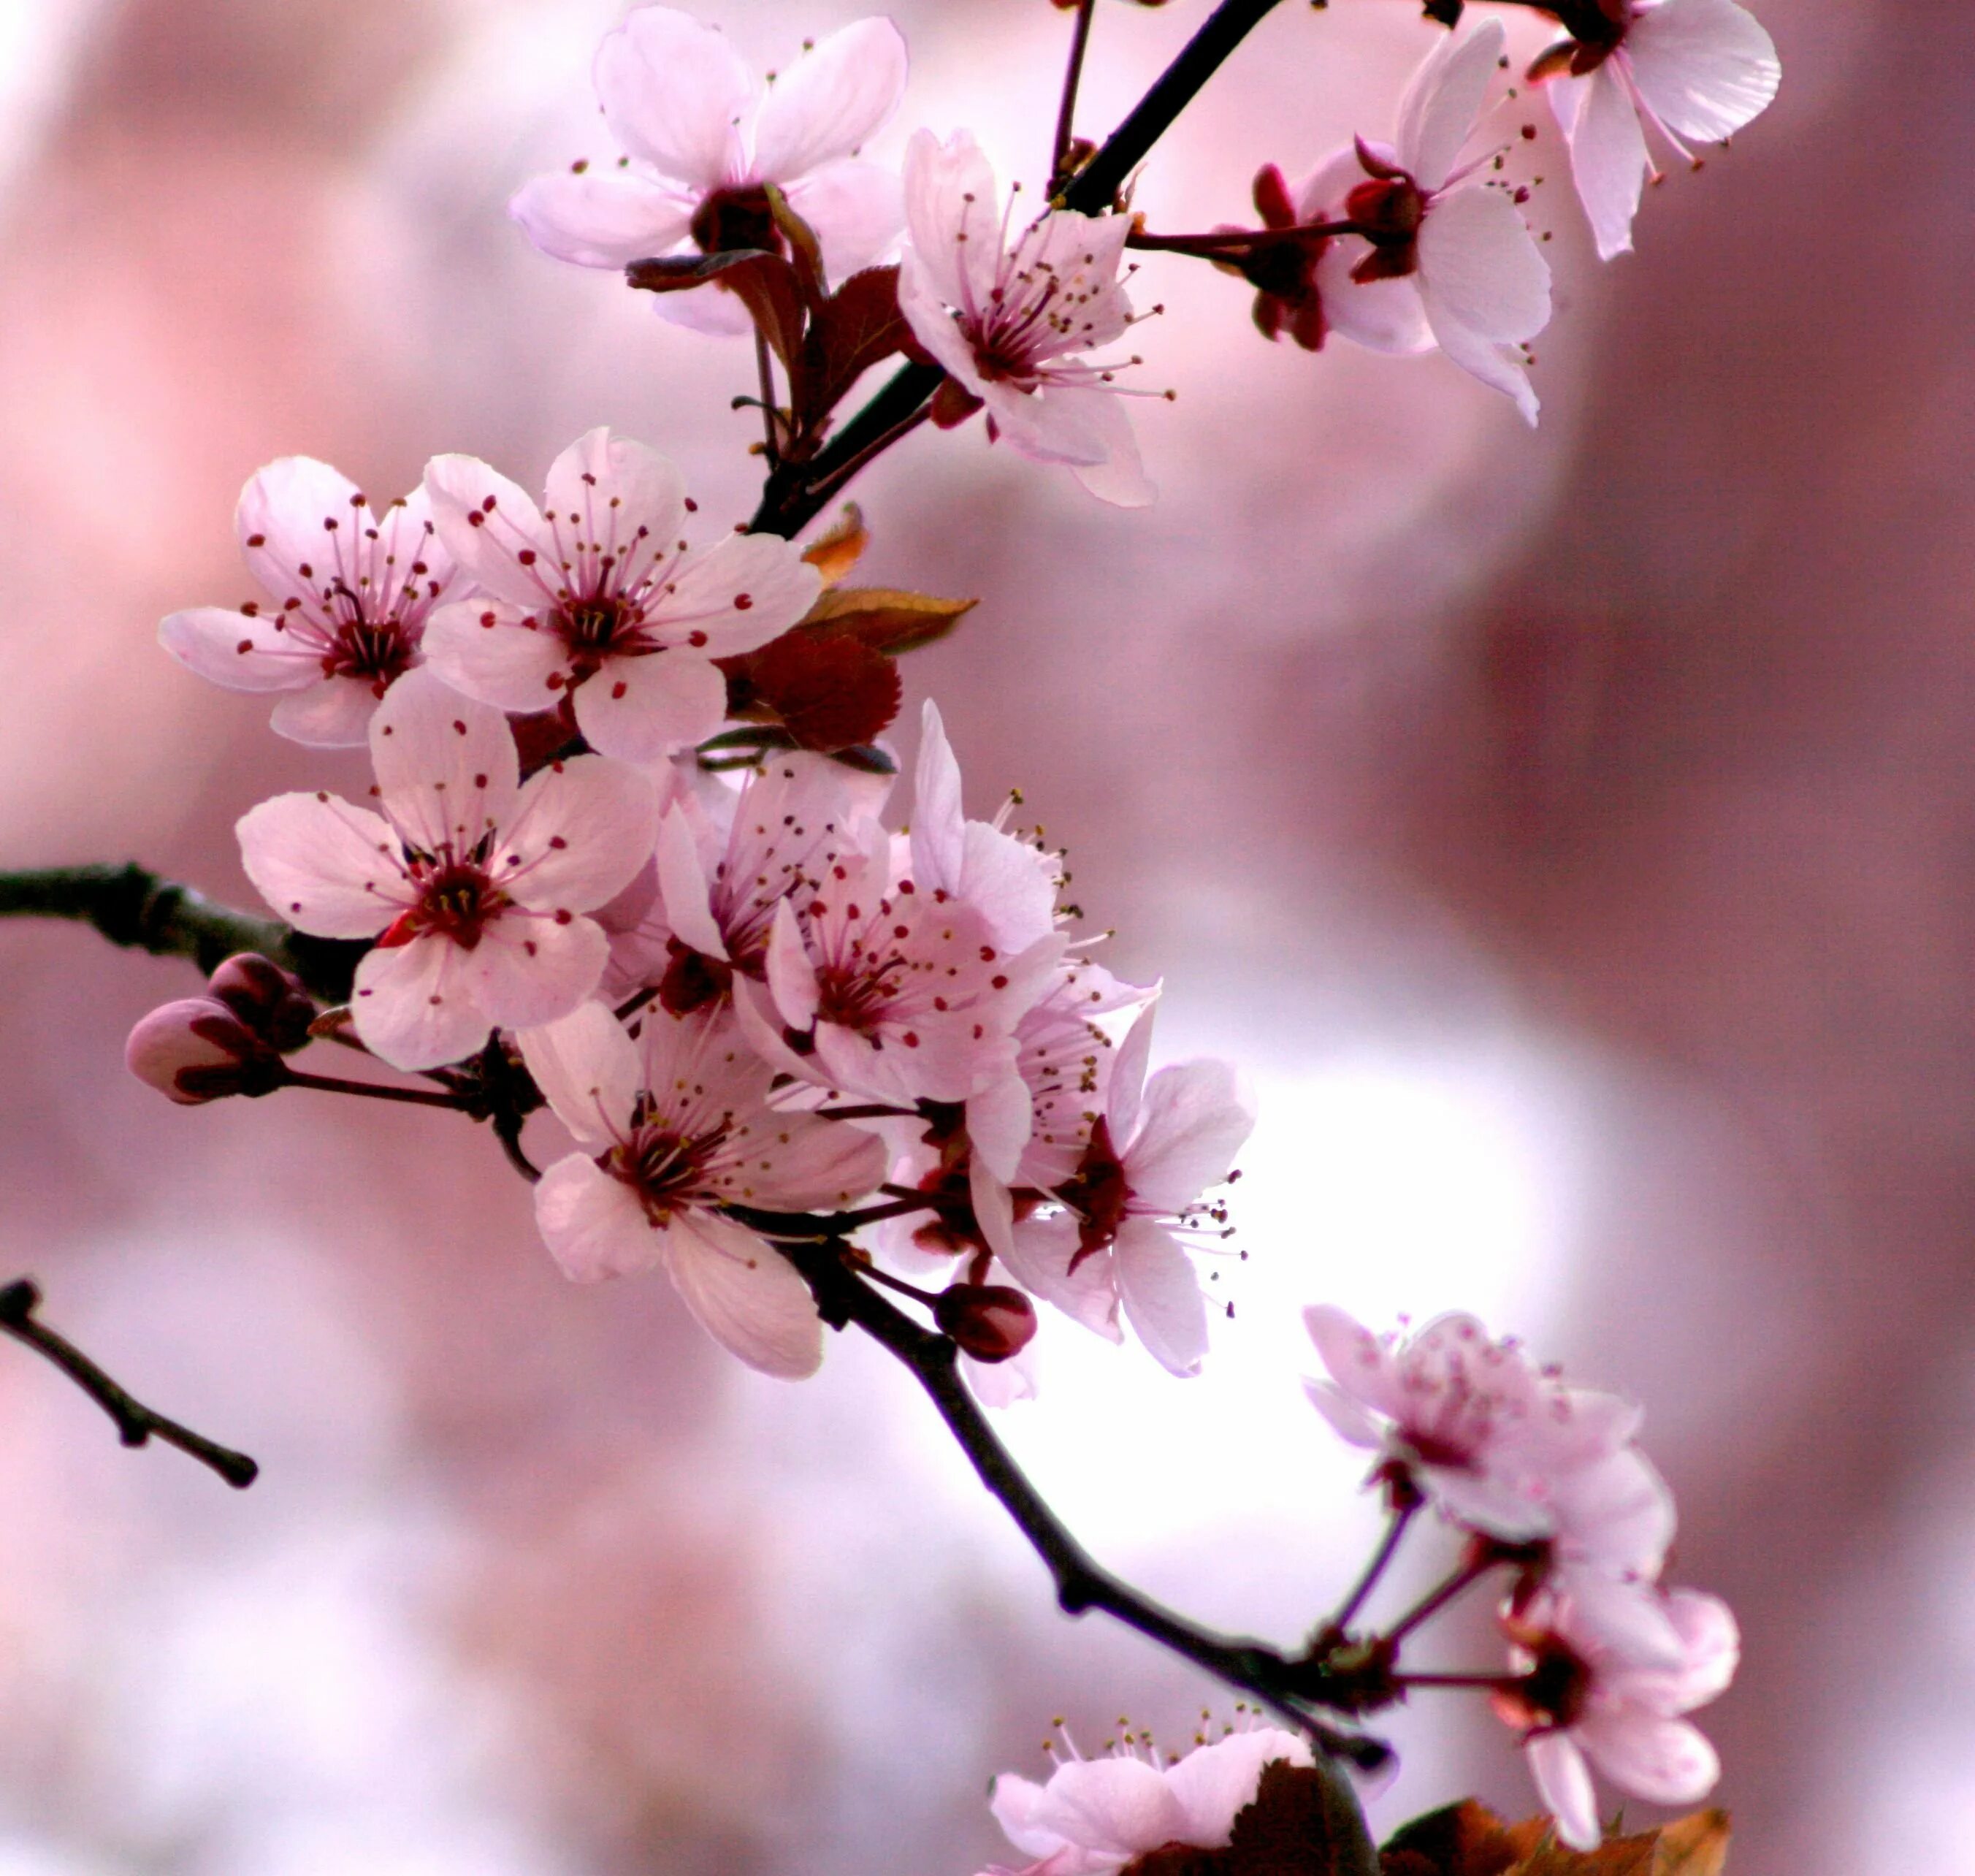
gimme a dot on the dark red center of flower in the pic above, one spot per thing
(730, 219)
(666, 1169)
(1552, 1693)
(1097, 1193)
(456, 900)
(375, 651)
(858, 994)
(692, 979)
(1388, 211)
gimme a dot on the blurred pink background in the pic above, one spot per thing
(1570, 832)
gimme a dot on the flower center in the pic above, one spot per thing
(732, 219)
(1388, 211)
(859, 994)
(375, 651)
(1098, 1194)
(457, 900)
(1553, 1692)
(665, 1168)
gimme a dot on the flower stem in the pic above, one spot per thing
(1073, 76)
(1469, 1573)
(1395, 1530)
(136, 1423)
(377, 1090)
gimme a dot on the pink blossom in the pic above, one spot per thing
(673, 1120)
(1581, 1700)
(1686, 68)
(1478, 1428)
(1096, 1815)
(1011, 325)
(348, 589)
(599, 600)
(1614, 1524)
(470, 883)
(1116, 1238)
(197, 1050)
(705, 137)
(1445, 258)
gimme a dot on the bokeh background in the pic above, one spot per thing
(1570, 832)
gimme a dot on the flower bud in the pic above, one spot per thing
(197, 1050)
(268, 1000)
(990, 1322)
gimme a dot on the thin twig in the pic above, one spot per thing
(771, 444)
(1395, 1530)
(377, 1090)
(136, 1423)
(1066, 116)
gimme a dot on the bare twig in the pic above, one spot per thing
(1073, 76)
(136, 1423)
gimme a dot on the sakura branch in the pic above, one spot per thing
(822, 1059)
(136, 1423)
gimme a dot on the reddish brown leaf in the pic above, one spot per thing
(829, 691)
(804, 253)
(887, 619)
(764, 283)
(859, 326)
(1698, 1845)
(1462, 1840)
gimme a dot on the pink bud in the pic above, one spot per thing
(197, 1050)
(269, 1001)
(989, 1321)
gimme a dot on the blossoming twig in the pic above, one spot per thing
(136, 1423)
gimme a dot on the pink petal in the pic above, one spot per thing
(1608, 154)
(1347, 1419)
(332, 713)
(326, 867)
(592, 1223)
(1564, 1785)
(1358, 1362)
(747, 1296)
(602, 218)
(1111, 1805)
(1196, 1120)
(415, 1006)
(1010, 884)
(740, 593)
(671, 90)
(1625, 1624)
(1014, 1802)
(1617, 1513)
(238, 651)
(999, 1118)
(799, 1163)
(1118, 477)
(577, 837)
(1707, 1649)
(642, 709)
(1480, 265)
(484, 650)
(1161, 1293)
(792, 979)
(281, 520)
(1706, 67)
(527, 970)
(761, 1024)
(682, 887)
(924, 308)
(993, 1208)
(1320, 196)
(446, 768)
(938, 824)
(1381, 315)
(1038, 1257)
(610, 496)
(839, 92)
(857, 209)
(1667, 1762)
(1214, 1783)
(587, 1070)
(1052, 424)
(950, 189)
(486, 523)
(1127, 1079)
(1442, 105)
(712, 310)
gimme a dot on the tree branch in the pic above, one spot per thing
(136, 1423)
(795, 495)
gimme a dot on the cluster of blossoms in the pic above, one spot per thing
(630, 853)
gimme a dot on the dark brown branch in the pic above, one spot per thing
(1073, 76)
(136, 1423)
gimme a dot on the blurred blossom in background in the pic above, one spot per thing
(1570, 832)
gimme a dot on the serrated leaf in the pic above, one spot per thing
(839, 547)
(859, 326)
(1698, 1845)
(1466, 1839)
(887, 619)
(829, 691)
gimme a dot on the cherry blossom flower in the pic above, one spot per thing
(672, 1124)
(1478, 1428)
(1580, 1700)
(470, 883)
(1614, 1524)
(1115, 1239)
(1442, 258)
(1686, 68)
(705, 138)
(1094, 1816)
(599, 600)
(197, 1050)
(349, 592)
(1011, 325)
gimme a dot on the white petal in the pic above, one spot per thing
(1161, 1294)
(1706, 67)
(1498, 367)
(592, 1223)
(715, 311)
(333, 713)
(747, 1296)
(280, 520)
(1038, 1258)
(950, 190)
(1110, 1805)
(586, 1068)
(1666, 1762)
(856, 210)
(792, 980)
(1014, 1802)
(1358, 1362)
(643, 709)
(740, 593)
(578, 835)
(994, 1207)
(799, 1163)
(617, 500)
(672, 91)
(483, 648)
(486, 523)
(1381, 315)
(1196, 1119)
(1564, 1785)
(1120, 478)
(1443, 102)
(1608, 155)
(528, 969)
(237, 651)
(1214, 1783)
(446, 767)
(1347, 1419)
(999, 1118)
(1127, 1079)
(683, 886)
(1480, 265)
(325, 866)
(1320, 196)
(414, 1005)
(838, 93)
(925, 307)
(938, 821)
(602, 218)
